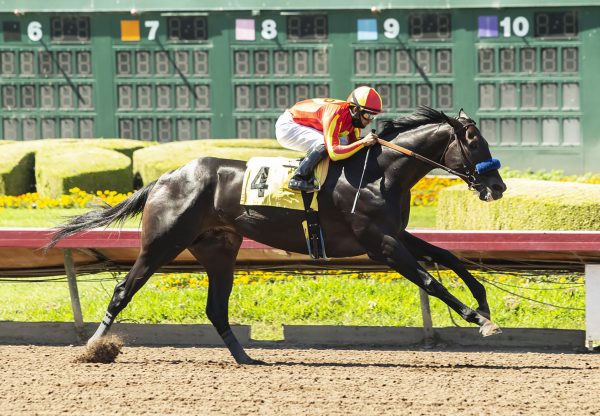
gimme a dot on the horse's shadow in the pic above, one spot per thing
(224, 364)
(427, 366)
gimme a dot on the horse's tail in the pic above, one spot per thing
(103, 217)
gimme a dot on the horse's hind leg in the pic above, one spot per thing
(124, 291)
(159, 247)
(217, 252)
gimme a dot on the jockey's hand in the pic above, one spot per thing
(369, 140)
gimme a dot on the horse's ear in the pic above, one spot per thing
(450, 120)
(462, 114)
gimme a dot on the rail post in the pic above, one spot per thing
(74, 293)
(426, 314)
(592, 306)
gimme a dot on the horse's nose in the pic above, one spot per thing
(499, 187)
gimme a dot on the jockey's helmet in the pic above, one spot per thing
(366, 99)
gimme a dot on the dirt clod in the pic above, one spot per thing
(104, 350)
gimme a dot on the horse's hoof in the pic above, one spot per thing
(250, 361)
(489, 329)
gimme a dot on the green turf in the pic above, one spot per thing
(334, 300)
(44, 218)
(421, 217)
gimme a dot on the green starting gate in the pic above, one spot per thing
(526, 71)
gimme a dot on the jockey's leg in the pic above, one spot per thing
(303, 179)
(292, 135)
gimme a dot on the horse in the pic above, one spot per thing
(197, 207)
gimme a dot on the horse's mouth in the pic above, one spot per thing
(489, 195)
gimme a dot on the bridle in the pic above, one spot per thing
(472, 170)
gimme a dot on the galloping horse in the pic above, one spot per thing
(197, 207)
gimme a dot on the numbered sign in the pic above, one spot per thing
(391, 28)
(269, 29)
(367, 29)
(489, 26)
(34, 31)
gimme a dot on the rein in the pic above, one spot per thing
(470, 176)
(410, 153)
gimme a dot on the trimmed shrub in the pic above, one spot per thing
(150, 163)
(63, 167)
(124, 146)
(18, 159)
(526, 205)
(17, 168)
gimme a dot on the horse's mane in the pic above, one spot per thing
(423, 115)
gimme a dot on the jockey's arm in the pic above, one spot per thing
(336, 150)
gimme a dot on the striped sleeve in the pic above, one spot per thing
(336, 150)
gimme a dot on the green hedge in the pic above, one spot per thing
(19, 158)
(526, 205)
(16, 170)
(152, 162)
(63, 167)
(61, 164)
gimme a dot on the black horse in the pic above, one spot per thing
(197, 207)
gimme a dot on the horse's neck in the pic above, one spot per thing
(429, 141)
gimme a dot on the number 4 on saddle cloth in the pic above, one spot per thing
(265, 184)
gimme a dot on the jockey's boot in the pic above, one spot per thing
(304, 179)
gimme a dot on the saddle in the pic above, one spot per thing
(265, 184)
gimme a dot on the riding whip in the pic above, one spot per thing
(361, 178)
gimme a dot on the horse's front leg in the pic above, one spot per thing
(384, 247)
(422, 250)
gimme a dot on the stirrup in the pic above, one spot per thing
(304, 185)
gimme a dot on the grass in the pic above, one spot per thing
(420, 217)
(268, 303)
(44, 218)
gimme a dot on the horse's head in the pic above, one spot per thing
(468, 153)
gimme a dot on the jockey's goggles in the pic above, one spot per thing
(368, 116)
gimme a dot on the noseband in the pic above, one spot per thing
(472, 169)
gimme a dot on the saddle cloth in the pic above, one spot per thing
(266, 179)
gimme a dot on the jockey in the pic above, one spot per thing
(325, 126)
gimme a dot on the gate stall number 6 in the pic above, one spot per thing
(34, 31)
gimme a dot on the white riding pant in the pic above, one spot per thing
(292, 135)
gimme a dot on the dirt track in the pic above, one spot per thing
(204, 381)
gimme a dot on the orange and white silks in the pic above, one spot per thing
(333, 118)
